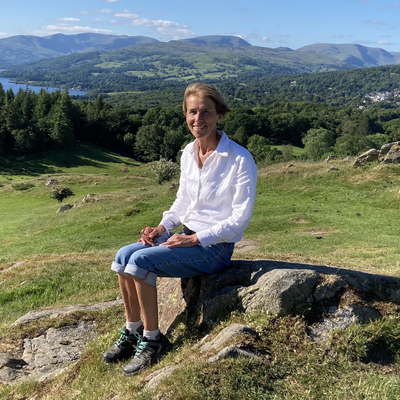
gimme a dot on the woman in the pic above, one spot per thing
(214, 203)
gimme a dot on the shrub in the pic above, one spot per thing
(22, 186)
(165, 170)
(60, 192)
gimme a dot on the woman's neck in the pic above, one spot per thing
(208, 145)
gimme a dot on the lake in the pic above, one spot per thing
(16, 86)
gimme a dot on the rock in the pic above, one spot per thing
(336, 318)
(232, 352)
(9, 361)
(246, 246)
(51, 182)
(386, 147)
(156, 377)
(367, 157)
(224, 336)
(338, 297)
(393, 156)
(62, 311)
(279, 288)
(64, 208)
(329, 288)
(331, 158)
(280, 292)
(332, 169)
(173, 187)
(44, 357)
(89, 198)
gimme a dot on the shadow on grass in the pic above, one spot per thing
(83, 155)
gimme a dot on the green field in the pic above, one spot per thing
(307, 213)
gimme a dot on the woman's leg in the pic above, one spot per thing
(139, 296)
(147, 299)
(130, 298)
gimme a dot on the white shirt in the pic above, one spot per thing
(215, 201)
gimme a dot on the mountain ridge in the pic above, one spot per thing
(354, 54)
(24, 49)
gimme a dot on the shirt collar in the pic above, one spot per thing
(222, 148)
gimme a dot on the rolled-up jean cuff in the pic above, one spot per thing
(133, 270)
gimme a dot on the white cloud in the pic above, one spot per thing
(126, 14)
(106, 11)
(265, 39)
(68, 19)
(385, 43)
(394, 5)
(375, 22)
(175, 33)
(375, 43)
(162, 27)
(65, 28)
(155, 23)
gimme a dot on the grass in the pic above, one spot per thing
(344, 218)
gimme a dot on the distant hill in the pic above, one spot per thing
(22, 49)
(17, 50)
(148, 66)
(218, 39)
(354, 54)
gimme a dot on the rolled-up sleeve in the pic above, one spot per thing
(244, 190)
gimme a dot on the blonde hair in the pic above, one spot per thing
(209, 91)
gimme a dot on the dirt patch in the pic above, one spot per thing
(316, 231)
(299, 220)
(246, 246)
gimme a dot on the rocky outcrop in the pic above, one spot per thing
(65, 207)
(279, 288)
(51, 182)
(386, 147)
(367, 157)
(334, 298)
(388, 154)
(393, 155)
(47, 355)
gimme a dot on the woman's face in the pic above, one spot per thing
(201, 116)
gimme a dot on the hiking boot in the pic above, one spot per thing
(124, 347)
(147, 353)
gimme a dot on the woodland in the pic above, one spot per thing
(35, 122)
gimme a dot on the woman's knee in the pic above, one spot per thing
(124, 253)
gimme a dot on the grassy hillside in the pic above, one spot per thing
(149, 66)
(344, 218)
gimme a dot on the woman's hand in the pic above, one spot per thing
(149, 234)
(181, 241)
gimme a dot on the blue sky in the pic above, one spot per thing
(268, 23)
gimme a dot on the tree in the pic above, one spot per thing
(60, 192)
(172, 142)
(258, 146)
(349, 145)
(149, 142)
(287, 152)
(317, 143)
(241, 136)
(62, 133)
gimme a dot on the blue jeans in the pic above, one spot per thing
(149, 262)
